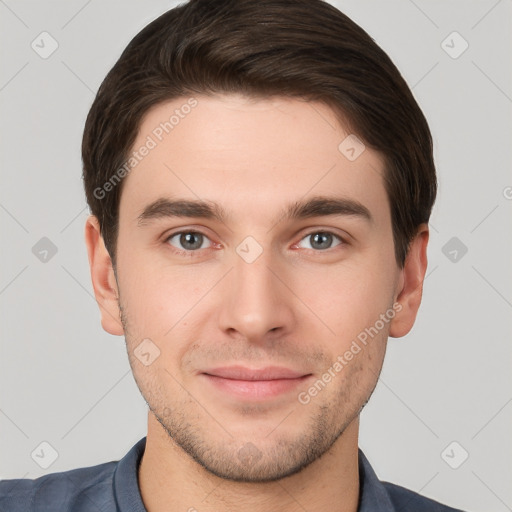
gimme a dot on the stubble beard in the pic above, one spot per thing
(246, 460)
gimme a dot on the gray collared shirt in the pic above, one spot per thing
(113, 487)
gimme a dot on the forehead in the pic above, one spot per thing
(249, 155)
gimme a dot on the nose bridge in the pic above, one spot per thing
(257, 303)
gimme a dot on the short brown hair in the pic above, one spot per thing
(294, 48)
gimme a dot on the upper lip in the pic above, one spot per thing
(244, 373)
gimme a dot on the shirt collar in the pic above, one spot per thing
(126, 484)
(372, 494)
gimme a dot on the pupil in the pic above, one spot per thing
(187, 239)
(321, 237)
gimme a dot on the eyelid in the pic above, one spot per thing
(343, 237)
(181, 230)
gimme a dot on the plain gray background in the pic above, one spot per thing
(66, 382)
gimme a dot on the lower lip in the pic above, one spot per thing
(255, 389)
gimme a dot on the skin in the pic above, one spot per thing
(297, 305)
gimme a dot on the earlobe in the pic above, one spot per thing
(103, 278)
(410, 284)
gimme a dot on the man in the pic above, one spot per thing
(260, 180)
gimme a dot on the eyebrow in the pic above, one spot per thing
(318, 206)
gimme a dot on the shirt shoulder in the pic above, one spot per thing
(108, 487)
(385, 496)
(405, 499)
(79, 490)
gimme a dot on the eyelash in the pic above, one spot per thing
(192, 253)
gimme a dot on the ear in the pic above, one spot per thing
(103, 278)
(410, 284)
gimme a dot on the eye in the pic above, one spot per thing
(188, 241)
(321, 240)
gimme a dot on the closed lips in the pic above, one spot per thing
(261, 374)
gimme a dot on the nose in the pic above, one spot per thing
(256, 304)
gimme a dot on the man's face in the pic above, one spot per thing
(221, 300)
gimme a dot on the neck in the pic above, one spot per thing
(169, 479)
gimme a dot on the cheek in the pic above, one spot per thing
(150, 292)
(349, 297)
(162, 303)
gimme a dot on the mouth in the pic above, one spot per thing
(254, 383)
